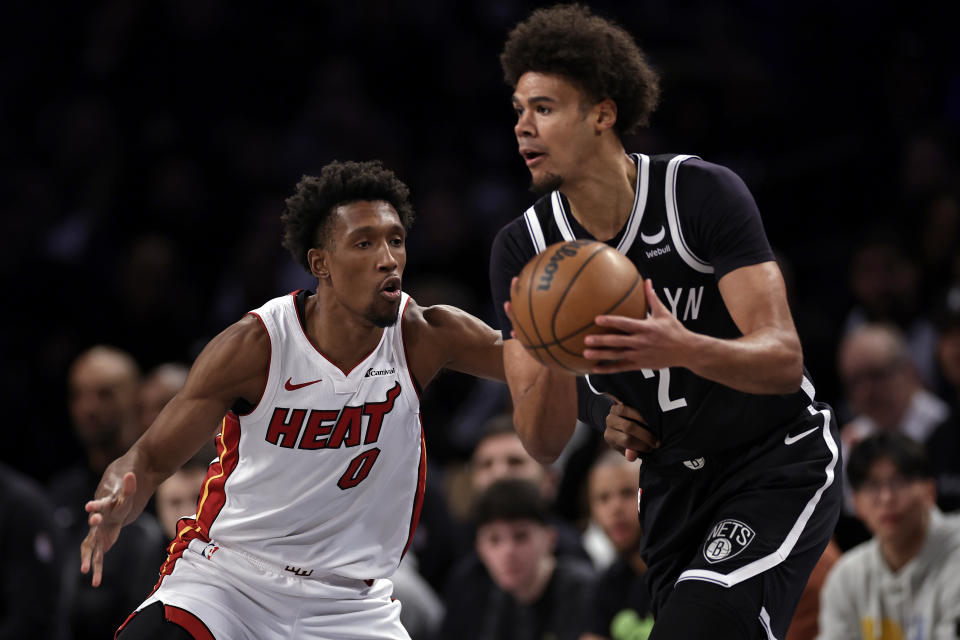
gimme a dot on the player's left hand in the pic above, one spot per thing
(656, 342)
(627, 433)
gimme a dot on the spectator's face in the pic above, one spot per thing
(877, 384)
(514, 552)
(948, 352)
(177, 497)
(894, 508)
(155, 393)
(103, 398)
(613, 503)
(503, 456)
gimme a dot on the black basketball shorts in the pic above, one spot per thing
(766, 509)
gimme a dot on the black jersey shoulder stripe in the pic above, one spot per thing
(673, 218)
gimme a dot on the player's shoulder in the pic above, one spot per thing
(420, 320)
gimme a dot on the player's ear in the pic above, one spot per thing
(317, 259)
(605, 115)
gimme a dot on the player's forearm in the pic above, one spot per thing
(545, 413)
(766, 361)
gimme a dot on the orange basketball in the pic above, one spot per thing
(561, 291)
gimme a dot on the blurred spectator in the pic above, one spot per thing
(421, 610)
(31, 578)
(177, 496)
(103, 387)
(619, 606)
(806, 619)
(905, 582)
(535, 594)
(885, 284)
(885, 395)
(883, 388)
(158, 388)
(943, 446)
(500, 454)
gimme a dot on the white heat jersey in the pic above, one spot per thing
(326, 474)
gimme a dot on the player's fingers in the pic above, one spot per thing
(630, 413)
(97, 566)
(630, 455)
(610, 366)
(653, 302)
(85, 552)
(621, 323)
(621, 440)
(94, 519)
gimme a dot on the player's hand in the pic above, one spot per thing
(656, 342)
(509, 309)
(626, 431)
(107, 515)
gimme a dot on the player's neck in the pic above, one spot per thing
(602, 198)
(343, 338)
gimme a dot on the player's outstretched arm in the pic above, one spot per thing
(766, 359)
(233, 365)
(446, 337)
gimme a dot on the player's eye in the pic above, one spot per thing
(363, 244)
(542, 110)
(397, 242)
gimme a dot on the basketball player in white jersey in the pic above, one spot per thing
(317, 487)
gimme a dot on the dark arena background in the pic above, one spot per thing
(146, 149)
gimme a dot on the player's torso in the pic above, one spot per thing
(326, 473)
(684, 410)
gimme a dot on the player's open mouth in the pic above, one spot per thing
(532, 157)
(390, 289)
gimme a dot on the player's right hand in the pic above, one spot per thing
(625, 431)
(107, 515)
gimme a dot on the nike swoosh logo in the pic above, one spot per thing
(289, 386)
(655, 238)
(789, 439)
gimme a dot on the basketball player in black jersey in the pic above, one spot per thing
(740, 497)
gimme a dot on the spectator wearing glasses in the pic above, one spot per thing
(905, 581)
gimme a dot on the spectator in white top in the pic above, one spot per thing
(904, 583)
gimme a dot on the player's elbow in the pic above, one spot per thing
(790, 370)
(542, 445)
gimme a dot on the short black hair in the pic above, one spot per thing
(907, 455)
(307, 213)
(510, 499)
(597, 55)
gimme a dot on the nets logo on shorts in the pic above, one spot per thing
(727, 539)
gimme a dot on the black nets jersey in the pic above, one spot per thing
(692, 223)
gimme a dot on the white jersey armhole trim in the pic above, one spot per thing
(673, 218)
(765, 623)
(641, 188)
(590, 384)
(767, 562)
(560, 217)
(265, 403)
(535, 231)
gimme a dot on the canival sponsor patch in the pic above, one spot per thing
(727, 538)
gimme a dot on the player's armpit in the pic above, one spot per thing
(544, 401)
